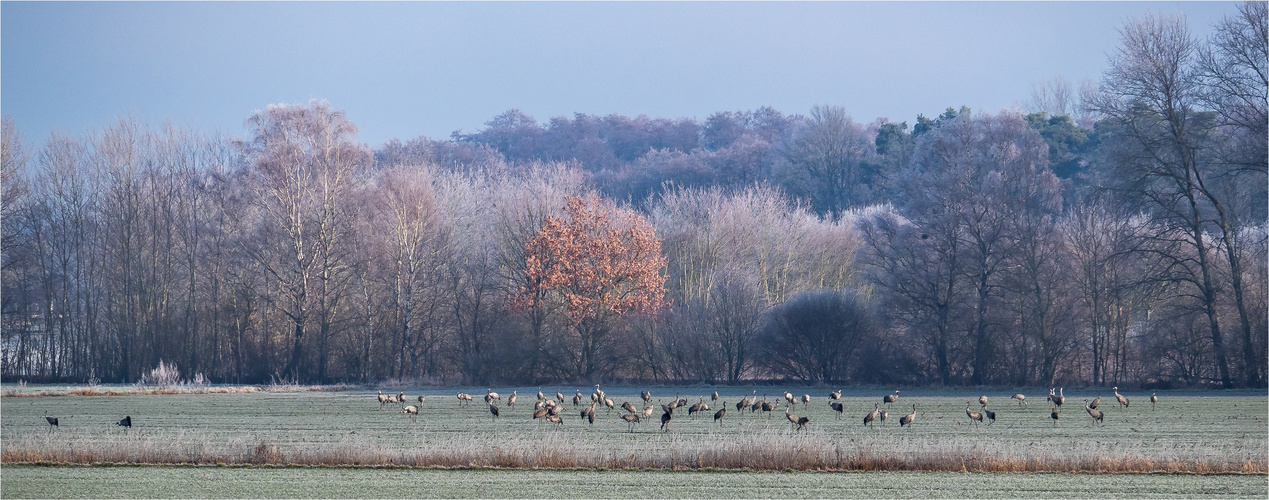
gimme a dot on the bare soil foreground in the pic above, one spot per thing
(24, 481)
(1185, 433)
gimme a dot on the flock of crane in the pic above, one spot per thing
(549, 409)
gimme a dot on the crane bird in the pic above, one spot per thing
(559, 396)
(646, 396)
(837, 407)
(835, 395)
(1060, 398)
(608, 402)
(600, 395)
(554, 410)
(982, 400)
(872, 415)
(630, 419)
(793, 419)
(1053, 414)
(1119, 397)
(555, 419)
(629, 407)
(907, 419)
(991, 415)
(715, 397)
(802, 423)
(806, 399)
(665, 421)
(1096, 414)
(718, 415)
(511, 400)
(1153, 399)
(541, 413)
(401, 398)
(52, 421)
(696, 407)
(647, 412)
(890, 398)
(789, 397)
(1022, 398)
(126, 422)
(1096, 401)
(493, 410)
(383, 399)
(882, 415)
(412, 410)
(422, 398)
(540, 395)
(577, 400)
(973, 415)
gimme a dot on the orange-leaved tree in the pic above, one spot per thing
(600, 264)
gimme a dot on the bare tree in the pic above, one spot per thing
(303, 161)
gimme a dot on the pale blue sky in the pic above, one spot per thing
(407, 69)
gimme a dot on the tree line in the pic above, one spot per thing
(1125, 246)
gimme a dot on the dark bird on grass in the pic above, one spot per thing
(492, 394)
(890, 398)
(1022, 398)
(837, 407)
(1054, 415)
(554, 410)
(559, 396)
(412, 410)
(907, 419)
(680, 402)
(882, 415)
(555, 419)
(973, 415)
(718, 415)
(401, 398)
(577, 400)
(493, 410)
(790, 398)
(982, 400)
(630, 419)
(540, 395)
(665, 421)
(872, 415)
(806, 399)
(646, 396)
(802, 423)
(421, 400)
(629, 407)
(52, 421)
(991, 415)
(608, 402)
(539, 413)
(768, 407)
(126, 422)
(1119, 397)
(383, 399)
(835, 395)
(1096, 401)
(1153, 399)
(511, 400)
(715, 397)
(1096, 414)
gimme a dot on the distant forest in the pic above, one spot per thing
(1114, 235)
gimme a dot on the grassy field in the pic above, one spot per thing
(1201, 432)
(341, 482)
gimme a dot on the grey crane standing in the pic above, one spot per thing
(890, 398)
(718, 415)
(1096, 414)
(1053, 414)
(973, 415)
(1153, 399)
(872, 415)
(125, 423)
(909, 418)
(1022, 398)
(1119, 397)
